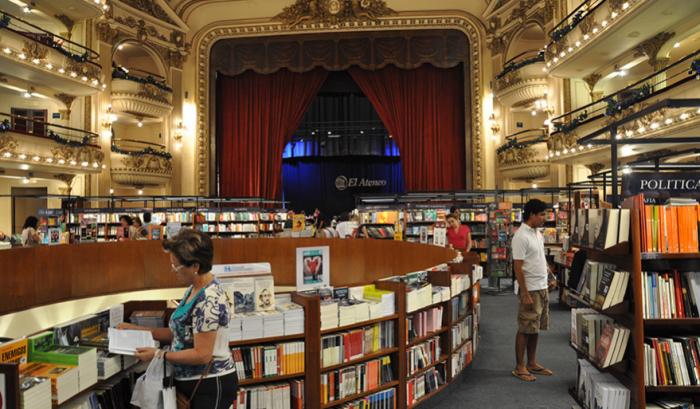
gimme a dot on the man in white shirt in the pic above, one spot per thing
(531, 272)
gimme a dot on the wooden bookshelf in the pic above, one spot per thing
(276, 378)
(364, 358)
(269, 340)
(358, 324)
(351, 398)
(670, 256)
(694, 389)
(428, 396)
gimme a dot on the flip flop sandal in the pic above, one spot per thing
(526, 377)
(541, 371)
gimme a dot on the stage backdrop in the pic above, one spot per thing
(330, 183)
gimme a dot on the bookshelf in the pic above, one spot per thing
(629, 257)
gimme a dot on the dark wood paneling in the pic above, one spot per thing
(48, 274)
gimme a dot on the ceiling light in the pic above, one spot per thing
(595, 30)
(49, 160)
(668, 121)
(73, 74)
(613, 14)
(562, 54)
(544, 69)
(120, 47)
(27, 94)
(556, 60)
(549, 64)
(676, 45)
(25, 180)
(684, 116)
(62, 70)
(604, 23)
(580, 147)
(139, 124)
(534, 185)
(566, 150)
(533, 112)
(61, 161)
(73, 162)
(22, 56)
(140, 191)
(654, 125)
(36, 158)
(629, 133)
(94, 81)
(625, 5)
(22, 156)
(84, 164)
(84, 78)
(49, 66)
(641, 129)
(7, 154)
(577, 43)
(618, 136)
(589, 146)
(36, 61)
(7, 50)
(95, 165)
(104, 166)
(626, 170)
(105, 7)
(586, 36)
(557, 153)
(570, 49)
(27, 9)
(111, 191)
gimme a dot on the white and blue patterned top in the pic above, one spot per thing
(209, 310)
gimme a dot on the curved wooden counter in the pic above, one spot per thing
(44, 275)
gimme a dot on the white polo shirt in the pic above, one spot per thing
(528, 245)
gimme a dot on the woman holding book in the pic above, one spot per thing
(459, 236)
(198, 329)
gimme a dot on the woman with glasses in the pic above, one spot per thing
(198, 329)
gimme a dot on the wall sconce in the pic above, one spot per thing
(178, 134)
(109, 118)
(542, 105)
(495, 127)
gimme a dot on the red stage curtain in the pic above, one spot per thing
(257, 115)
(424, 111)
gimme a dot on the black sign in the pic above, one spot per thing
(661, 186)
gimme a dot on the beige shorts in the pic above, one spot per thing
(534, 317)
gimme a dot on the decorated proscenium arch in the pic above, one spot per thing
(451, 20)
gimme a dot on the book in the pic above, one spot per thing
(155, 232)
(242, 291)
(63, 378)
(125, 342)
(264, 293)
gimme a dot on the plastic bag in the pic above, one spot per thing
(148, 390)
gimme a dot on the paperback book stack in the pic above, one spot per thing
(423, 323)
(420, 294)
(423, 354)
(598, 336)
(461, 358)
(270, 360)
(440, 294)
(63, 378)
(150, 319)
(671, 295)
(293, 314)
(600, 390)
(459, 283)
(672, 361)
(35, 392)
(462, 331)
(348, 345)
(381, 302)
(274, 396)
(108, 365)
(350, 311)
(348, 381)
(329, 314)
(380, 400)
(43, 349)
(425, 383)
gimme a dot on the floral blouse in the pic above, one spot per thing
(209, 310)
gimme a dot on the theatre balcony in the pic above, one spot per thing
(29, 145)
(522, 80)
(663, 104)
(42, 58)
(75, 10)
(597, 32)
(140, 94)
(523, 155)
(139, 163)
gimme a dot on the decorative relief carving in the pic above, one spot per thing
(153, 92)
(507, 80)
(8, 144)
(333, 12)
(650, 47)
(143, 31)
(106, 33)
(83, 68)
(548, 11)
(150, 7)
(34, 50)
(518, 155)
(147, 163)
(77, 154)
(595, 167)
(67, 101)
(586, 25)
(591, 80)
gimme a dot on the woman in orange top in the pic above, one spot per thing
(459, 236)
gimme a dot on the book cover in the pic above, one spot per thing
(264, 293)
(242, 291)
(54, 234)
(155, 232)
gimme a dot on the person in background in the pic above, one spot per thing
(127, 223)
(198, 329)
(147, 219)
(140, 231)
(346, 227)
(289, 223)
(531, 272)
(459, 236)
(30, 237)
(4, 237)
(455, 210)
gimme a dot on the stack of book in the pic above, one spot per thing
(600, 390)
(64, 379)
(669, 228)
(423, 354)
(440, 294)
(35, 392)
(273, 324)
(671, 295)
(423, 323)
(380, 400)
(252, 325)
(420, 294)
(349, 345)
(271, 396)
(108, 365)
(150, 319)
(672, 361)
(235, 327)
(293, 316)
(348, 381)
(382, 302)
(270, 360)
(43, 349)
(462, 331)
(459, 283)
(352, 311)
(460, 305)
(461, 358)
(425, 383)
(329, 314)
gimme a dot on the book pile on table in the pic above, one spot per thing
(420, 292)
(381, 303)
(35, 392)
(293, 315)
(600, 390)
(150, 319)
(64, 379)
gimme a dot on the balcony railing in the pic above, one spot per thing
(133, 165)
(60, 134)
(142, 77)
(648, 87)
(74, 51)
(522, 139)
(150, 148)
(574, 18)
(521, 60)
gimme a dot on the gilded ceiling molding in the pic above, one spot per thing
(650, 48)
(333, 12)
(151, 8)
(205, 39)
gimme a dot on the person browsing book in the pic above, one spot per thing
(198, 329)
(459, 236)
(531, 273)
(30, 237)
